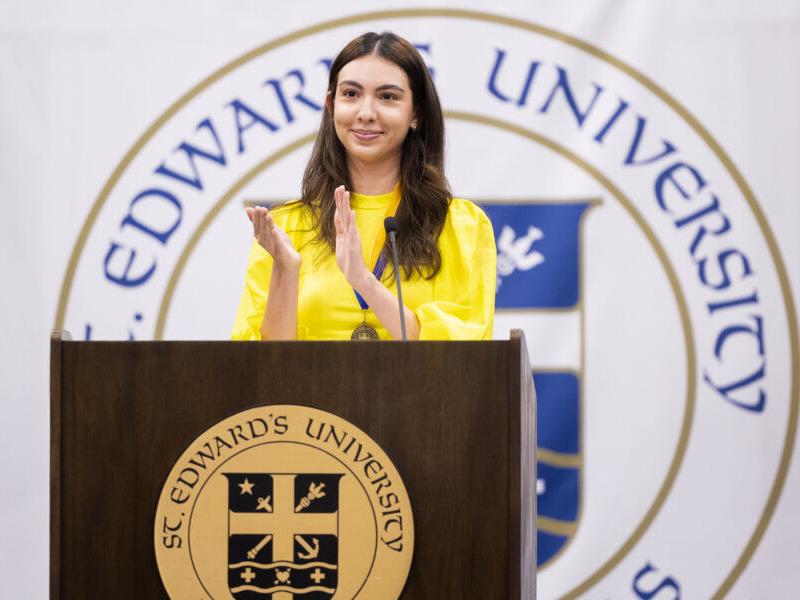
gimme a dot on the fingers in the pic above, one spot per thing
(256, 221)
(341, 217)
(346, 209)
(270, 228)
(337, 214)
(351, 219)
(346, 215)
(269, 231)
(250, 211)
(337, 223)
(338, 195)
(262, 216)
(263, 225)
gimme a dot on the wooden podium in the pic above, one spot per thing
(456, 419)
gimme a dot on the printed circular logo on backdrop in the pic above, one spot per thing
(274, 502)
(630, 250)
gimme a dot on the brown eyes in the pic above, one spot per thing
(354, 94)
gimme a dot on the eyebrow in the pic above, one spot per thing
(380, 88)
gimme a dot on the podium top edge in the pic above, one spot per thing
(57, 336)
(63, 335)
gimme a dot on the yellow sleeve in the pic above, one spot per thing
(254, 297)
(464, 290)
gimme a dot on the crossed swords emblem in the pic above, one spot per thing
(314, 492)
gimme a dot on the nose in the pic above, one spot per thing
(366, 110)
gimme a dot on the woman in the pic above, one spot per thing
(315, 268)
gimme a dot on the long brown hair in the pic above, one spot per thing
(426, 194)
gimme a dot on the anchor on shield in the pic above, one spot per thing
(283, 537)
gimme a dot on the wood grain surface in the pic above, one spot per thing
(446, 413)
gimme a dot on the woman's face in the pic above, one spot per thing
(372, 109)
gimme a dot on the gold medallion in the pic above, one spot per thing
(364, 333)
(283, 500)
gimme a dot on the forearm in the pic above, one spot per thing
(385, 306)
(280, 315)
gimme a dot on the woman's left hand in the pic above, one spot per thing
(348, 243)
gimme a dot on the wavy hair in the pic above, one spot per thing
(425, 192)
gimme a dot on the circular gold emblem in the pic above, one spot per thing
(283, 502)
(364, 333)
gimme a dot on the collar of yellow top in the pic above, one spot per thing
(381, 201)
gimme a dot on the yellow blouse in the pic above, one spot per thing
(456, 304)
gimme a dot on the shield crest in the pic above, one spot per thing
(538, 278)
(283, 535)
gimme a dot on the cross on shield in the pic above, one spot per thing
(539, 284)
(283, 535)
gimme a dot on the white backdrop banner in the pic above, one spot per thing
(638, 163)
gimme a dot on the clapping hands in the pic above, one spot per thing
(349, 256)
(273, 239)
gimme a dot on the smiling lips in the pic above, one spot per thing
(365, 135)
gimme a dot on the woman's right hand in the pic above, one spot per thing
(273, 239)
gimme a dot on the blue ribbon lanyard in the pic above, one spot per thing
(380, 265)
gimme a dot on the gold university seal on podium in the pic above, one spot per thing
(283, 502)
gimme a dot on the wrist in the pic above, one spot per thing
(363, 282)
(281, 270)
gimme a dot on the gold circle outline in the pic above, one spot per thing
(791, 428)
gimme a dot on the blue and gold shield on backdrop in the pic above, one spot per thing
(538, 274)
